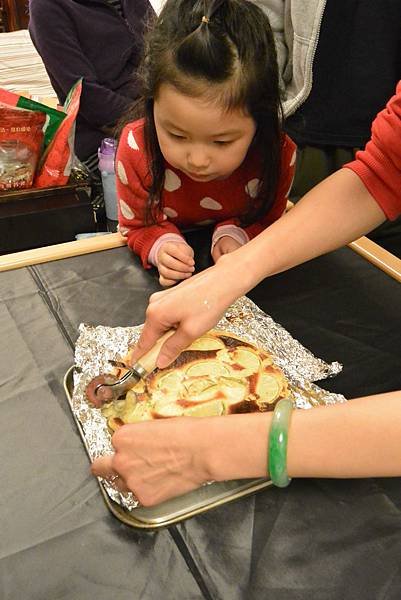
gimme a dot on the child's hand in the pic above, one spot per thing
(224, 245)
(175, 261)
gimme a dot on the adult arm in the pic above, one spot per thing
(161, 459)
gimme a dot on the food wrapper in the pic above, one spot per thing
(56, 163)
(51, 116)
(21, 139)
(97, 346)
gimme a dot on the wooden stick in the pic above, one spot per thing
(17, 260)
(378, 256)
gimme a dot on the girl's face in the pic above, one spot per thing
(200, 138)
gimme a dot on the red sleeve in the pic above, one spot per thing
(379, 165)
(132, 183)
(288, 157)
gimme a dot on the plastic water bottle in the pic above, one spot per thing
(106, 154)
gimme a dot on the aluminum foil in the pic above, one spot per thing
(97, 346)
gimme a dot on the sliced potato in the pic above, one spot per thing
(166, 396)
(224, 355)
(108, 410)
(267, 362)
(268, 388)
(247, 358)
(244, 363)
(168, 387)
(168, 410)
(140, 412)
(233, 390)
(214, 408)
(196, 385)
(131, 398)
(205, 343)
(169, 380)
(211, 368)
(207, 394)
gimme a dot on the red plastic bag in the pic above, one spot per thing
(55, 165)
(21, 141)
(53, 116)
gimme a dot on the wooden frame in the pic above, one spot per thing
(378, 256)
(369, 250)
(17, 260)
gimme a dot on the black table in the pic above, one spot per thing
(316, 540)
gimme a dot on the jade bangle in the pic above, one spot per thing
(278, 438)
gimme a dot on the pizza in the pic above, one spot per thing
(218, 374)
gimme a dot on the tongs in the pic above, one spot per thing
(106, 388)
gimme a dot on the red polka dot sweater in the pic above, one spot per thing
(187, 203)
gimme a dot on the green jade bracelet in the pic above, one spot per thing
(278, 439)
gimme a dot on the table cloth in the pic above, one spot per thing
(315, 540)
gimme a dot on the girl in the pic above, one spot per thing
(209, 149)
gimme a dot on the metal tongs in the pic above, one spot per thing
(105, 388)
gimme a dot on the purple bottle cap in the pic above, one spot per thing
(108, 146)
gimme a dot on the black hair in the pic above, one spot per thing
(222, 50)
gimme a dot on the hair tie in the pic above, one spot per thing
(205, 19)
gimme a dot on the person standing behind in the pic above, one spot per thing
(340, 61)
(100, 41)
(210, 149)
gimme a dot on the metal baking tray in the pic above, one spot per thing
(177, 509)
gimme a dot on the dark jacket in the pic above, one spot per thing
(89, 39)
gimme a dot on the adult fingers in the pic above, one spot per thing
(174, 346)
(152, 330)
(192, 307)
(103, 467)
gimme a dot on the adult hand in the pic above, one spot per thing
(175, 261)
(192, 308)
(160, 459)
(224, 245)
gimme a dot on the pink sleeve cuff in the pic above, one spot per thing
(167, 237)
(237, 233)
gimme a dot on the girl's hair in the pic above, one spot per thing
(223, 51)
